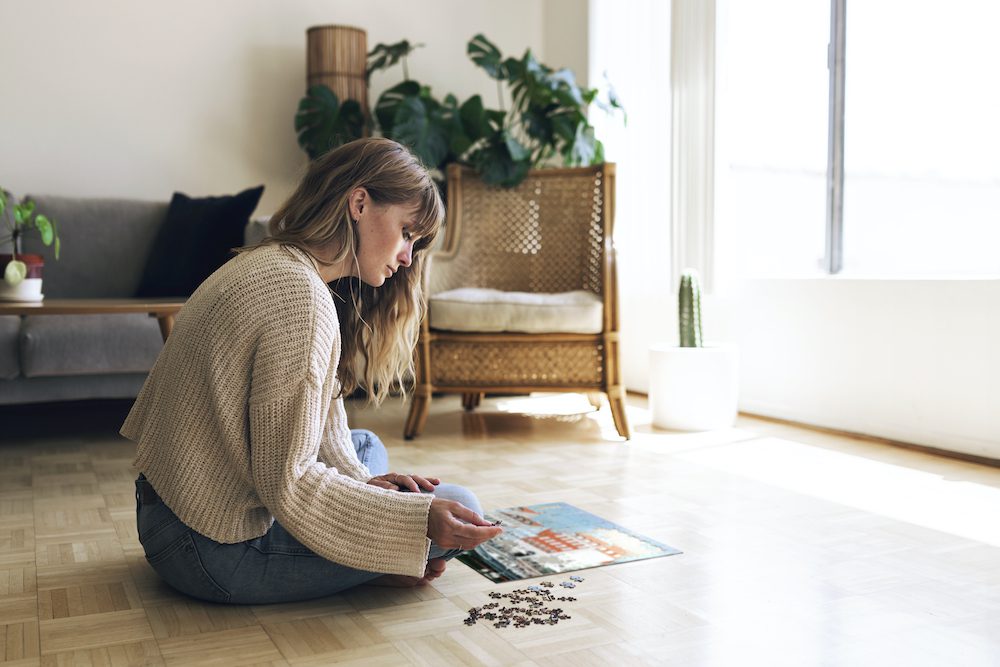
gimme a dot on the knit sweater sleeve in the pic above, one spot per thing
(336, 515)
(337, 448)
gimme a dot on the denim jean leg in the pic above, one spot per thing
(371, 451)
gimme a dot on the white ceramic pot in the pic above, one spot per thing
(29, 289)
(694, 388)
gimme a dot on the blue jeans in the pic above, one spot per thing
(272, 568)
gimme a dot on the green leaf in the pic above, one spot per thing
(538, 125)
(563, 127)
(495, 118)
(57, 247)
(583, 150)
(389, 102)
(518, 153)
(3, 201)
(598, 152)
(316, 120)
(564, 83)
(384, 56)
(44, 229)
(322, 122)
(15, 272)
(496, 166)
(474, 120)
(424, 133)
(486, 55)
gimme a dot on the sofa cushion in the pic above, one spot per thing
(480, 309)
(105, 243)
(9, 327)
(196, 239)
(84, 344)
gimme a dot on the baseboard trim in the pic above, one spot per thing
(936, 451)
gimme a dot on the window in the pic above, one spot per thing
(921, 138)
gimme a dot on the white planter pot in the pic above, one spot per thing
(29, 289)
(694, 388)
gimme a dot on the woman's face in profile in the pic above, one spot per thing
(385, 241)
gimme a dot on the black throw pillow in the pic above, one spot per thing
(195, 239)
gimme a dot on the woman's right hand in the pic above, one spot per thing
(452, 525)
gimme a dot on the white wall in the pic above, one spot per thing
(565, 30)
(915, 361)
(138, 99)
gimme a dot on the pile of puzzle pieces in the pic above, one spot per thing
(533, 609)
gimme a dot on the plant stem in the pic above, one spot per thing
(500, 95)
(406, 70)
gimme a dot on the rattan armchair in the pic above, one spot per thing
(550, 234)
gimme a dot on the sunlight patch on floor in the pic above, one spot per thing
(926, 499)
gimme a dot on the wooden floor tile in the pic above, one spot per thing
(94, 631)
(404, 621)
(376, 655)
(17, 580)
(468, 646)
(55, 551)
(190, 617)
(324, 635)
(241, 646)
(87, 599)
(132, 654)
(19, 640)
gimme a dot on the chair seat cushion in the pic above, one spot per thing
(84, 344)
(490, 310)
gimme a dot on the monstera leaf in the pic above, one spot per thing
(322, 122)
(421, 125)
(486, 55)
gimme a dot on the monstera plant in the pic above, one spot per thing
(546, 123)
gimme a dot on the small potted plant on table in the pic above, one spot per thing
(22, 274)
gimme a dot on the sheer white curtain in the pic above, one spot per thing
(630, 41)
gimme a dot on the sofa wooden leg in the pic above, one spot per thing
(595, 399)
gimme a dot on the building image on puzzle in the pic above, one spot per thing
(556, 537)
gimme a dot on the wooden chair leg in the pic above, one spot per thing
(616, 399)
(595, 399)
(471, 400)
(419, 407)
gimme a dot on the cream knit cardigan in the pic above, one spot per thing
(238, 423)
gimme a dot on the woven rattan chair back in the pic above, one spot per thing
(551, 233)
(545, 235)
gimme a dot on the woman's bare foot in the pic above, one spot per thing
(435, 568)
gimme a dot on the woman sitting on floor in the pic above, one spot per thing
(253, 487)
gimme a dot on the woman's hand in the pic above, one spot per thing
(395, 481)
(452, 525)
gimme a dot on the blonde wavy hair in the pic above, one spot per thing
(379, 327)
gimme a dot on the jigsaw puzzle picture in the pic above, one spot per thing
(552, 538)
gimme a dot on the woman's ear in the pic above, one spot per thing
(357, 201)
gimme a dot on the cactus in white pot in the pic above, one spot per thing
(693, 386)
(689, 309)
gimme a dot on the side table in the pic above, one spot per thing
(163, 310)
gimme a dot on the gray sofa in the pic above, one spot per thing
(105, 244)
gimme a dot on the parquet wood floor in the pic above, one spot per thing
(800, 548)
